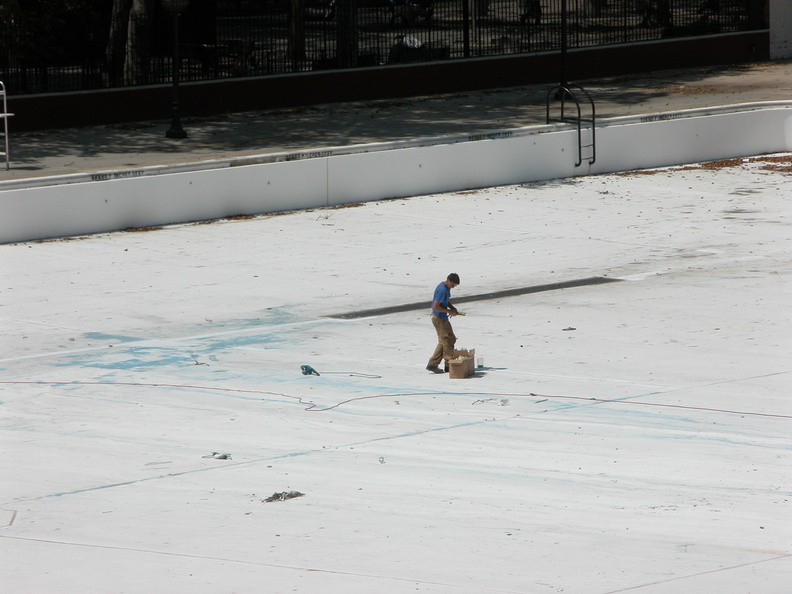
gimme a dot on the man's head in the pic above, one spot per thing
(452, 280)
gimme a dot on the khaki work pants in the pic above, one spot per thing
(445, 342)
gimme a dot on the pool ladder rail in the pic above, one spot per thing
(5, 115)
(574, 93)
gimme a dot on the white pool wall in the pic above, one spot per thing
(81, 204)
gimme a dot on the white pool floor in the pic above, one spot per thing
(632, 436)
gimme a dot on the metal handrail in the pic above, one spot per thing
(563, 92)
(5, 115)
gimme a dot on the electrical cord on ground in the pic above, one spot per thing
(312, 407)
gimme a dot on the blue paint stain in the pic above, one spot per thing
(110, 337)
(213, 344)
(138, 358)
(124, 355)
(130, 357)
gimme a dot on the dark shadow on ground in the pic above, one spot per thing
(239, 134)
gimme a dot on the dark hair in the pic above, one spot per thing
(453, 277)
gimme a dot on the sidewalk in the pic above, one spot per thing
(141, 144)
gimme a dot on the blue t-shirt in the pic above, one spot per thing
(443, 295)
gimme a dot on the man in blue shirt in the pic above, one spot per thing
(441, 309)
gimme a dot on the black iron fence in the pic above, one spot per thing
(235, 38)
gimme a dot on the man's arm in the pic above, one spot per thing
(437, 306)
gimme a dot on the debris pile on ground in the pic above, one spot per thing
(283, 496)
(218, 456)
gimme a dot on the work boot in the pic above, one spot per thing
(434, 369)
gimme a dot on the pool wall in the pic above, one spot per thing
(48, 207)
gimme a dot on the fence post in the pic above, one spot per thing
(297, 30)
(466, 27)
(346, 32)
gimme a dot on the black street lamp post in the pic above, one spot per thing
(564, 42)
(175, 7)
(562, 92)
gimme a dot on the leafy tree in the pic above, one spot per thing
(50, 32)
(139, 27)
(38, 35)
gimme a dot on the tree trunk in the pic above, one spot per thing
(116, 42)
(138, 43)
